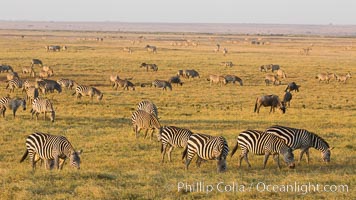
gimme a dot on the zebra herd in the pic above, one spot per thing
(275, 140)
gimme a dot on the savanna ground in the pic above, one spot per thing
(116, 165)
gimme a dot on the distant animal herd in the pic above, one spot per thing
(54, 150)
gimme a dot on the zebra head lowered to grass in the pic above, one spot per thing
(302, 139)
(148, 106)
(41, 105)
(262, 143)
(172, 137)
(51, 147)
(269, 100)
(143, 120)
(83, 90)
(162, 84)
(12, 104)
(207, 148)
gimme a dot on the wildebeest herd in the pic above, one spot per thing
(275, 140)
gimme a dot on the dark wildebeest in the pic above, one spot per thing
(6, 68)
(275, 68)
(269, 100)
(36, 62)
(233, 79)
(191, 73)
(46, 85)
(175, 79)
(150, 66)
(292, 86)
(286, 99)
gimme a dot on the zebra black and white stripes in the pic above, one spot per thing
(50, 147)
(171, 137)
(207, 148)
(83, 90)
(67, 83)
(302, 139)
(148, 106)
(14, 83)
(262, 143)
(162, 84)
(143, 120)
(41, 105)
(12, 104)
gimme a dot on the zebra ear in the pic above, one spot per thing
(80, 152)
(331, 148)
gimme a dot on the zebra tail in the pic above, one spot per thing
(24, 156)
(185, 152)
(256, 105)
(235, 148)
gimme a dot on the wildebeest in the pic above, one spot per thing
(36, 62)
(275, 67)
(271, 78)
(286, 99)
(6, 68)
(152, 49)
(269, 100)
(217, 79)
(281, 73)
(28, 69)
(175, 79)
(265, 68)
(180, 73)
(46, 85)
(325, 77)
(191, 73)
(292, 86)
(233, 79)
(343, 78)
(149, 66)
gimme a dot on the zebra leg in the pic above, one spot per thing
(307, 154)
(137, 130)
(56, 162)
(265, 159)
(276, 159)
(146, 133)
(163, 149)
(37, 116)
(169, 153)
(61, 163)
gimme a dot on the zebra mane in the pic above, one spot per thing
(320, 139)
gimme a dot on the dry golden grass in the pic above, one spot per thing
(115, 165)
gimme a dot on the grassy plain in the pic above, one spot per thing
(116, 165)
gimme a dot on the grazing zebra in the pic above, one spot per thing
(14, 83)
(262, 143)
(149, 66)
(46, 74)
(325, 77)
(148, 106)
(207, 148)
(36, 62)
(265, 68)
(224, 51)
(66, 83)
(28, 69)
(271, 78)
(292, 86)
(162, 84)
(12, 76)
(233, 79)
(180, 73)
(113, 78)
(286, 99)
(6, 68)
(152, 49)
(343, 78)
(124, 83)
(143, 120)
(41, 105)
(12, 104)
(83, 90)
(227, 64)
(50, 147)
(281, 73)
(176, 80)
(217, 79)
(302, 139)
(191, 73)
(31, 93)
(269, 100)
(171, 137)
(53, 48)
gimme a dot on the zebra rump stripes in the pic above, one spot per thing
(148, 106)
(50, 147)
(262, 143)
(302, 139)
(144, 120)
(83, 90)
(207, 148)
(40, 105)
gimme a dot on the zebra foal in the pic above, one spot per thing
(262, 143)
(50, 147)
(143, 120)
(207, 148)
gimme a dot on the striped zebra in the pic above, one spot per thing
(152, 49)
(124, 84)
(207, 148)
(217, 79)
(162, 84)
(148, 106)
(83, 90)
(66, 83)
(302, 139)
(262, 143)
(149, 66)
(144, 120)
(171, 137)
(31, 93)
(50, 147)
(29, 70)
(14, 83)
(41, 105)
(12, 104)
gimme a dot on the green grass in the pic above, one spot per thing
(116, 165)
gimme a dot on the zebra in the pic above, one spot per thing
(281, 73)
(149, 66)
(227, 64)
(148, 106)
(36, 62)
(325, 77)
(30, 70)
(6, 68)
(265, 68)
(31, 93)
(207, 148)
(123, 83)
(113, 78)
(217, 79)
(12, 104)
(271, 78)
(41, 105)
(51, 147)
(302, 139)
(152, 49)
(67, 83)
(83, 90)
(343, 78)
(53, 48)
(162, 84)
(46, 74)
(127, 49)
(269, 100)
(224, 51)
(171, 137)
(14, 83)
(262, 143)
(143, 120)
(175, 79)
